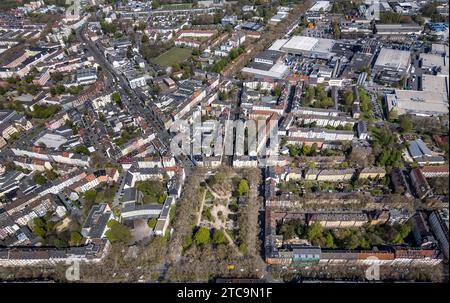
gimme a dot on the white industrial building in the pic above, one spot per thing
(393, 59)
(309, 46)
(437, 84)
(420, 103)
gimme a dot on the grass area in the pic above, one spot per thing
(154, 191)
(172, 56)
(43, 111)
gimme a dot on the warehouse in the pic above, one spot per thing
(393, 59)
(435, 62)
(267, 64)
(398, 29)
(320, 6)
(391, 65)
(420, 103)
(309, 47)
(437, 84)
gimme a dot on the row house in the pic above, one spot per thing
(320, 133)
(420, 184)
(333, 175)
(39, 208)
(135, 174)
(245, 161)
(434, 171)
(372, 172)
(57, 121)
(32, 164)
(95, 179)
(12, 122)
(317, 112)
(321, 120)
(339, 220)
(44, 154)
(62, 182)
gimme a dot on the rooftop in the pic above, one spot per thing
(418, 102)
(393, 58)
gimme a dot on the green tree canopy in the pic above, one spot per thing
(201, 236)
(348, 97)
(242, 187)
(119, 233)
(313, 230)
(219, 237)
(406, 123)
(75, 237)
(152, 223)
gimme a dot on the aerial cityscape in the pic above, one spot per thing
(216, 141)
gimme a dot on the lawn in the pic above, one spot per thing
(172, 56)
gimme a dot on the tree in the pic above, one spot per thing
(392, 116)
(28, 78)
(406, 124)
(51, 175)
(243, 248)
(39, 179)
(90, 195)
(116, 98)
(348, 97)
(336, 30)
(311, 165)
(144, 38)
(153, 191)
(217, 178)
(75, 237)
(152, 223)
(242, 187)
(313, 231)
(344, 164)
(118, 233)
(102, 117)
(219, 237)
(81, 149)
(39, 231)
(201, 237)
(329, 240)
(277, 90)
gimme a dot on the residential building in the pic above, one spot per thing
(438, 220)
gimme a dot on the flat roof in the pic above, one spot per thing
(276, 46)
(269, 55)
(417, 102)
(433, 83)
(439, 48)
(324, 5)
(398, 26)
(51, 140)
(310, 46)
(301, 43)
(435, 60)
(277, 71)
(393, 58)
